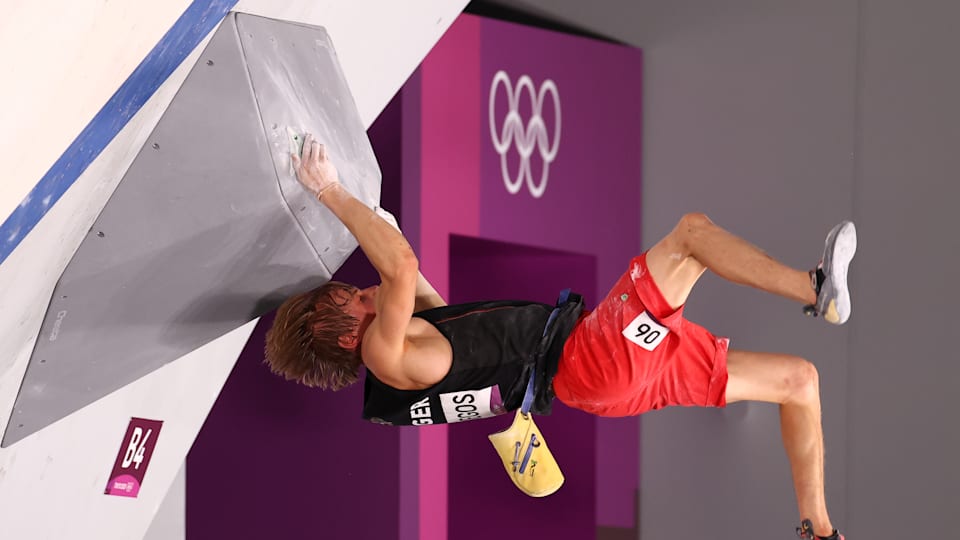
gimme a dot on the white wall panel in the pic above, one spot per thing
(51, 483)
(61, 63)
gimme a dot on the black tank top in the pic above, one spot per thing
(495, 347)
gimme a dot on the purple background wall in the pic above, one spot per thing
(278, 460)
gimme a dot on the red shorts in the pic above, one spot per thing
(634, 353)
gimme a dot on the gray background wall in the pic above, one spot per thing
(778, 119)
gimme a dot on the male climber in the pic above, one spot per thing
(633, 353)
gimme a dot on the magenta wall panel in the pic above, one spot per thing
(590, 201)
(449, 189)
(530, 137)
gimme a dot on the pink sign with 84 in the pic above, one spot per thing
(133, 457)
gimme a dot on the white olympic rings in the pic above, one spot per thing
(525, 138)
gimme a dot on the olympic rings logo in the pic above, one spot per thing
(525, 138)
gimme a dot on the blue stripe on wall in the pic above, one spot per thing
(196, 22)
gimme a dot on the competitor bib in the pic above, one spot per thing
(471, 404)
(645, 332)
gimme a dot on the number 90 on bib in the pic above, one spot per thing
(645, 332)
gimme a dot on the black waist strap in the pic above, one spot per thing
(561, 322)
